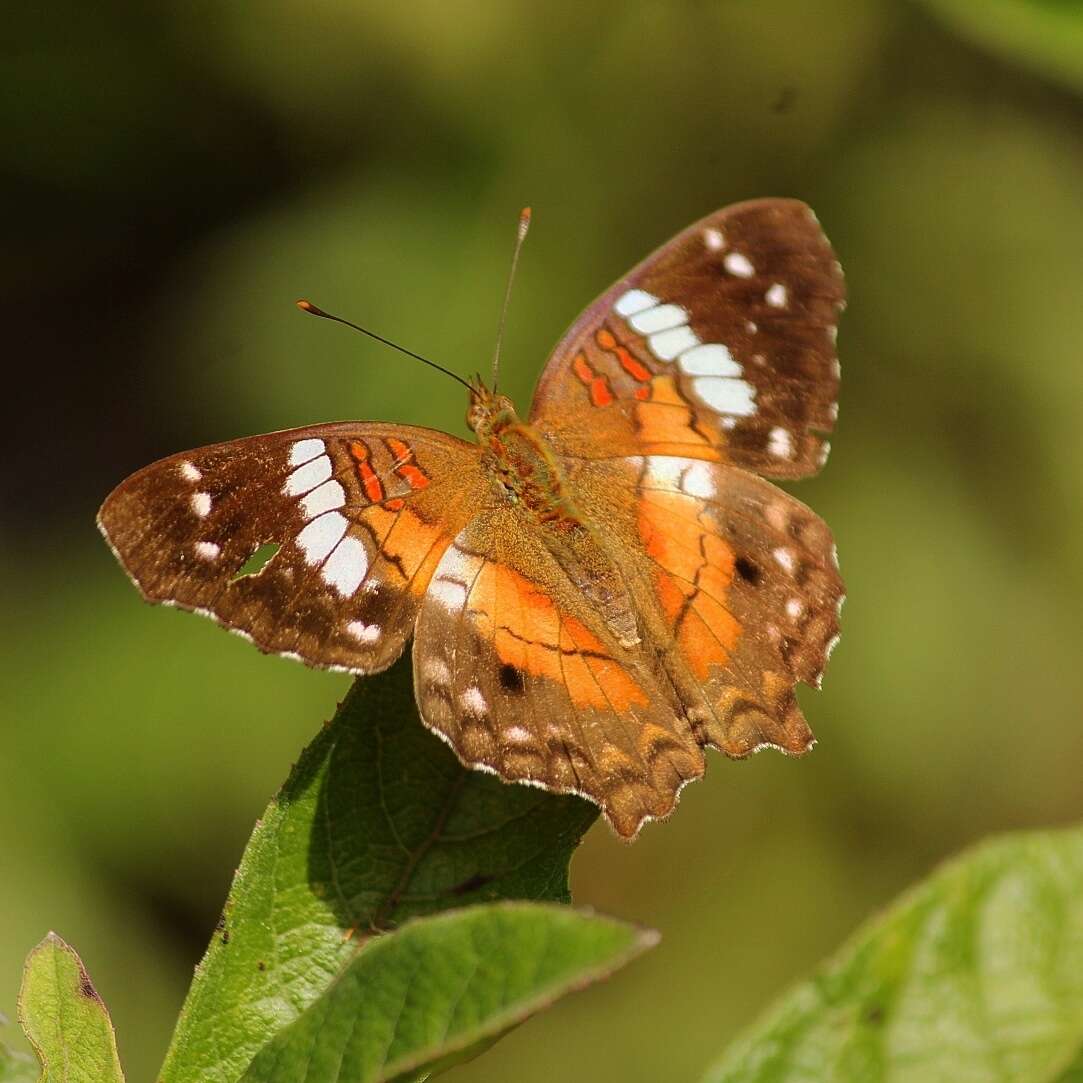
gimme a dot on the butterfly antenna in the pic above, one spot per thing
(520, 236)
(309, 307)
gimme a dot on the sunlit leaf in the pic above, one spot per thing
(378, 823)
(975, 975)
(440, 985)
(65, 1019)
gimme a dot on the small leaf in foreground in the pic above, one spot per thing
(442, 984)
(378, 823)
(975, 974)
(65, 1019)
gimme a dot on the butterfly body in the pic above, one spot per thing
(597, 591)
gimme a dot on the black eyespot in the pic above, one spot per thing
(747, 570)
(511, 679)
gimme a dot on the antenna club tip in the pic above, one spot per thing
(524, 221)
(307, 306)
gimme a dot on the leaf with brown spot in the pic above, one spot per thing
(65, 1019)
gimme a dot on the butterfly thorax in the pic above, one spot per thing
(527, 474)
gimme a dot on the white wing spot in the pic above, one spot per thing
(307, 477)
(785, 558)
(628, 304)
(794, 608)
(776, 296)
(518, 735)
(659, 318)
(304, 450)
(474, 702)
(738, 264)
(326, 497)
(713, 239)
(710, 360)
(697, 481)
(726, 395)
(780, 443)
(455, 571)
(201, 504)
(346, 566)
(190, 472)
(321, 536)
(207, 550)
(825, 450)
(666, 345)
(665, 471)
(362, 632)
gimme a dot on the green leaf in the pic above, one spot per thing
(975, 975)
(65, 1019)
(378, 823)
(1045, 35)
(442, 984)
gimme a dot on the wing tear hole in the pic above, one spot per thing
(257, 560)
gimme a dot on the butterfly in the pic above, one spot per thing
(597, 591)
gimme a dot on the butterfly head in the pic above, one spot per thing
(489, 412)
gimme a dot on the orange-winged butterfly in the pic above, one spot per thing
(595, 593)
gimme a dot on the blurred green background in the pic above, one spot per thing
(175, 175)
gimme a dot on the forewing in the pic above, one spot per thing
(743, 581)
(360, 515)
(720, 345)
(520, 679)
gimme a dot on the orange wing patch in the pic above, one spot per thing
(529, 632)
(693, 576)
(666, 424)
(409, 546)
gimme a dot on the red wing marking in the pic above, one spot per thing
(606, 339)
(370, 481)
(597, 385)
(405, 464)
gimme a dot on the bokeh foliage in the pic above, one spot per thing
(183, 173)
